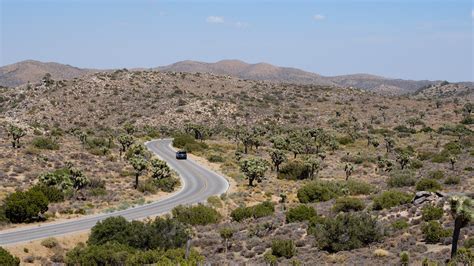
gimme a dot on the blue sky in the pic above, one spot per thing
(410, 39)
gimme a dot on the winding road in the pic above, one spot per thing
(198, 183)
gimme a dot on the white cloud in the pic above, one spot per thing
(319, 17)
(215, 19)
(240, 24)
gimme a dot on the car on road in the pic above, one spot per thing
(181, 155)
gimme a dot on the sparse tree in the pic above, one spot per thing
(389, 143)
(452, 161)
(403, 159)
(129, 128)
(254, 168)
(139, 164)
(125, 142)
(83, 138)
(16, 134)
(468, 107)
(349, 169)
(159, 169)
(463, 213)
(314, 164)
(278, 157)
(438, 104)
(226, 234)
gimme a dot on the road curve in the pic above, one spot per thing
(198, 183)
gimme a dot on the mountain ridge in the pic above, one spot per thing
(32, 71)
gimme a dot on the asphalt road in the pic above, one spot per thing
(198, 183)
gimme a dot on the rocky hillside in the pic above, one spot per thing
(447, 90)
(22, 72)
(32, 71)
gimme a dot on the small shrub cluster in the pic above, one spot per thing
(402, 178)
(8, 259)
(260, 210)
(347, 204)
(196, 215)
(317, 191)
(433, 231)
(300, 213)
(391, 198)
(400, 224)
(188, 143)
(25, 206)
(452, 180)
(346, 231)
(283, 248)
(45, 143)
(294, 170)
(428, 184)
(430, 212)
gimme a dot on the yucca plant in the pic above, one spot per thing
(463, 213)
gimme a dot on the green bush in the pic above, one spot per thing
(215, 158)
(437, 174)
(196, 215)
(452, 180)
(404, 258)
(300, 213)
(260, 210)
(163, 233)
(358, 187)
(188, 143)
(346, 231)
(45, 143)
(391, 198)
(400, 224)
(416, 164)
(53, 194)
(294, 170)
(167, 184)
(430, 212)
(433, 231)
(319, 191)
(347, 204)
(110, 253)
(428, 184)
(8, 259)
(270, 259)
(50, 242)
(402, 178)
(283, 248)
(469, 243)
(25, 206)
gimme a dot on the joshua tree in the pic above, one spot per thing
(159, 169)
(349, 169)
(389, 143)
(452, 160)
(313, 164)
(226, 234)
(129, 128)
(125, 142)
(139, 164)
(254, 168)
(403, 159)
(16, 133)
(463, 213)
(278, 157)
(83, 137)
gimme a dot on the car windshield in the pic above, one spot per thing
(181, 152)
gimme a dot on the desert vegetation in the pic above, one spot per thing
(319, 174)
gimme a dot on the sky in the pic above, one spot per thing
(409, 39)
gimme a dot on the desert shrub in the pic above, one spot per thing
(437, 174)
(53, 194)
(404, 258)
(347, 204)
(270, 259)
(50, 242)
(416, 164)
(469, 243)
(428, 184)
(300, 213)
(196, 215)
(319, 191)
(45, 143)
(463, 256)
(110, 253)
(294, 170)
(8, 259)
(167, 184)
(283, 248)
(430, 212)
(452, 180)
(358, 187)
(404, 129)
(188, 143)
(402, 178)
(163, 233)
(400, 224)
(148, 186)
(168, 257)
(433, 231)
(25, 206)
(214, 201)
(345, 140)
(346, 231)
(391, 198)
(425, 155)
(260, 210)
(215, 158)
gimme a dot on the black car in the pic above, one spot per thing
(181, 155)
